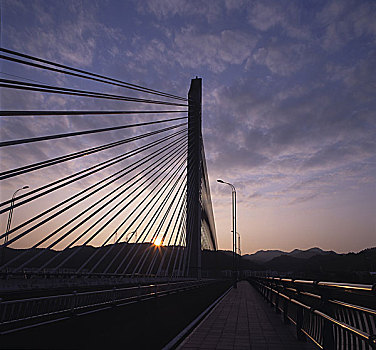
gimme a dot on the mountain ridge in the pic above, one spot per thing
(264, 256)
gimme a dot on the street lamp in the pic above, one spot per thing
(233, 230)
(9, 223)
(11, 213)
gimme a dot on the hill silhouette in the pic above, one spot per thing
(313, 263)
(263, 256)
(355, 267)
(108, 258)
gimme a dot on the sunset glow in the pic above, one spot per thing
(158, 241)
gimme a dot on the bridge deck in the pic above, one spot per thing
(243, 320)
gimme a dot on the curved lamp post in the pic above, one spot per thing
(11, 212)
(9, 223)
(235, 272)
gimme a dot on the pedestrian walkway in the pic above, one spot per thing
(243, 320)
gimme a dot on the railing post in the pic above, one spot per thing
(193, 223)
(327, 331)
(299, 317)
(286, 311)
(328, 339)
(113, 296)
(269, 295)
(2, 313)
(264, 291)
(299, 323)
(277, 310)
(73, 303)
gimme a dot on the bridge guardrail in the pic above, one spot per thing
(31, 312)
(29, 280)
(330, 323)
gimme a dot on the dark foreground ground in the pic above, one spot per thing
(146, 325)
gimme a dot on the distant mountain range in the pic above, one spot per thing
(315, 264)
(264, 256)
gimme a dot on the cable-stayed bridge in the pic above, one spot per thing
(143, 200)
(109, 205)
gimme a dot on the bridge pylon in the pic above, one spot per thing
(194, 171)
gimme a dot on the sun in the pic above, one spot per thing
(158, 241)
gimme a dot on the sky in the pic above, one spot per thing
(289, 107)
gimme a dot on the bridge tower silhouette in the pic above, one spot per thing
(194, 177)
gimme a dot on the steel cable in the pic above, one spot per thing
(20, 85)
(129, 215)
(142, 260)
(88, 75)
(139, 163)
(129, 168)
(153, 199)
(83, 173)
(153, 221)
(78, 113)
(57, 160)
(106, 214)
(147, 228)
(84, 132)
(180, 205)
(166, 229)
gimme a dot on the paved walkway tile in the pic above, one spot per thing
(243, 320)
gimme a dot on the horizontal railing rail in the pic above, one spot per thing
(30, 273)
(354, 287)
(30, 312)
(330, 323)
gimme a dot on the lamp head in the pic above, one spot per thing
(25, 187)
(221, 181)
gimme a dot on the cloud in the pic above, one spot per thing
(340, 153)
(71, 39)
(267, 15)
(283, 59)
(345, 21)
(162, 9)
(215, 51)
(235, 4)
(360, 79)
(237, 158)
(303, 199)
(254, 195)
(292, 130)
(264, 15)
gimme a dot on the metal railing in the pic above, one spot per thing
(30, 312)
(332, 315)
(28, 280)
